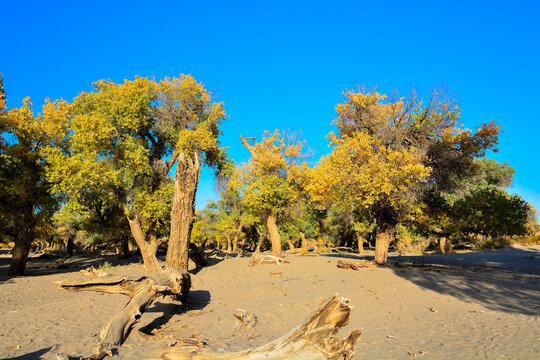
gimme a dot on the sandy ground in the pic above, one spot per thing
(480, 313)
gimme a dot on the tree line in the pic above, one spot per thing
(120, 165)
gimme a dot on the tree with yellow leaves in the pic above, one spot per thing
(271, 179)
(386, 153)
(26, 204)
(122, 140)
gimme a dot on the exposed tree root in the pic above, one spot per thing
(141, 291)
(258, 259)
(315, 339)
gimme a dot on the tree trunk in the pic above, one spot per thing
(229, 244)
(275, 238)
(381, 246)
(148, 250)
(304, 242)
(23, 242)
(291, 245)
(186, 180)
(124, 247)
(236, 236)
(360, 243)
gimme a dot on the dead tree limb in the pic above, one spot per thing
(258, 259)
(141, 291)
(357, 265)
(94, 272)
(315, 339)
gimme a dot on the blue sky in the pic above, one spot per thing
(285, 64)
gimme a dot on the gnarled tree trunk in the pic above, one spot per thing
(23, 242)
(186, 180)
(381, 246)
(360, 243)
(141, 291)
(303, 242)
(273, 231)
(148, 249)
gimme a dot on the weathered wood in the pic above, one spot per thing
(315, 339)
(357, 264)
(186, 180)
(244, 319)
(381, 246)
(59, 264)
(141, 291)
(92, 271)
(275, 237)
(258, 259)
(148, 248)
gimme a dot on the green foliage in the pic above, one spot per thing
(491, 211)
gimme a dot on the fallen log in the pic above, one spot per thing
(94, 272)
(258, 259)
(244, 319)
(315, 339)
(58, 264)
(357, 265)
(142, 292)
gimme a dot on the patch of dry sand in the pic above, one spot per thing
(439, 313)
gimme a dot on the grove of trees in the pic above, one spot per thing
(119, 166)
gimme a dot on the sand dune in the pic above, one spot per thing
(431, 312)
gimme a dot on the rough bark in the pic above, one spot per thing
(124, 248)
(258, 259)
(148, 249)
(273, 231)
(186, 180)
(316, 338)
(23, 243)
(141, 291)
(236, 237)
(360, 243)
(303, 241)
(381, 246)
(356, 265)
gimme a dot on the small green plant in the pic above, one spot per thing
(303, 251)
(106, 266)
(517, 276)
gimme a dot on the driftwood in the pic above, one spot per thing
(58, 264)
(258, 259)
(357, 265)
(244, 319)
(315, 339)
(94, 272)
(142, 292)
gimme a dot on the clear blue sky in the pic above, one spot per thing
(278, 65)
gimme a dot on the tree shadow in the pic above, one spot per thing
(197, 300)
(525, 260)
(38, 266)
(31, 356)
(497, 290)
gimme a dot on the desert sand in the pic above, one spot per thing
(478, 311)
